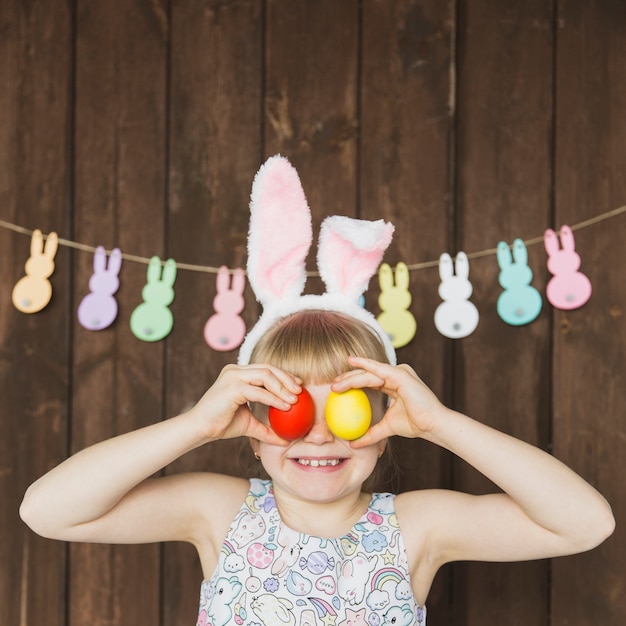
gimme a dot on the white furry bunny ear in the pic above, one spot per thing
(280, 232)
(279, 240)
(350, 252)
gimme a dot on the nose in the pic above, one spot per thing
(319, 432)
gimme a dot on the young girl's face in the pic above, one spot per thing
(320, 467)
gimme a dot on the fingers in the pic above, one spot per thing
(377, 432)
(264, 384)
(370, 373)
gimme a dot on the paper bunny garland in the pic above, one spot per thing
(279, 238)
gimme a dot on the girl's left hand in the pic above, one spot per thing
(413, 408)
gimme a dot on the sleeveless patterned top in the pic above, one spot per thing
(270, 575)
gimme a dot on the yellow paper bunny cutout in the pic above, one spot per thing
(33, 292)
(397, 321)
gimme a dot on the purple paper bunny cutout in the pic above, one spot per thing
(98, 309)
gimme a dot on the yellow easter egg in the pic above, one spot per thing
(348, 414)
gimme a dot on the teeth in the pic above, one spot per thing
(320, 462)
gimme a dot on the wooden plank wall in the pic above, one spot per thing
(141, 125)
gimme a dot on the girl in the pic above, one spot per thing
(312, 545)
(334, 544)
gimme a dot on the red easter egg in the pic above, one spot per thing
(296, 421)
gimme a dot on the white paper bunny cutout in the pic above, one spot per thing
(456, 316)
(280, 235)
(33, 292)
(225, 329)
(98, 309)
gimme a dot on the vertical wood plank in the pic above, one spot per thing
(407, 102)
(120, 192)
(311, 101)
(589, 343)
(215, 150)
(35, 70)
(504, 158)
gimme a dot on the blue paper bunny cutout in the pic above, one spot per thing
(519, 303)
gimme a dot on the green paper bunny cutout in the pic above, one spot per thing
(152, 320)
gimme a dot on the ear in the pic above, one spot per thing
(223, 279)
(567, 238)
(350, 252)
(385, 277)
(36, 243)
(402, 276)
(550, 242)
(169, 272)
(115, 261)
(153, 274)
(504, 255)
(254, 444)
(280, 232)
(239, 281)
(52, 244)
(99, 260)
(520, 254)
(461, 265)
(445, 267)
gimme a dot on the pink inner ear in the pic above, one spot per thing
(352, 268)
(280, 277)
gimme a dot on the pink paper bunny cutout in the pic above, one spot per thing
(98, 309)
(568, 288)
(225, 329)
(280, 236)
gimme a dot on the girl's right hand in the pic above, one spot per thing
(224, 413)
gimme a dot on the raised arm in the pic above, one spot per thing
(546, 508)
(104, 493)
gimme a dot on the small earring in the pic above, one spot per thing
(256, 456)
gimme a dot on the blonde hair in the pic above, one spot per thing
(314, 345)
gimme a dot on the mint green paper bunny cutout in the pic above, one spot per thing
(152, 320)
(520, 303)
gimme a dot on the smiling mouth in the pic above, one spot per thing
(319, 462)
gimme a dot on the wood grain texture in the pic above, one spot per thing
(120, 182)
(407, 109)
(35, 170)
(589, 391)
(141, 124)
(504, 162)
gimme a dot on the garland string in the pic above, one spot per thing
(214, 270)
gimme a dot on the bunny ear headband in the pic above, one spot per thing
(279, 238)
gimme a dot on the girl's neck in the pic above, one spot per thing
(322, 519)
